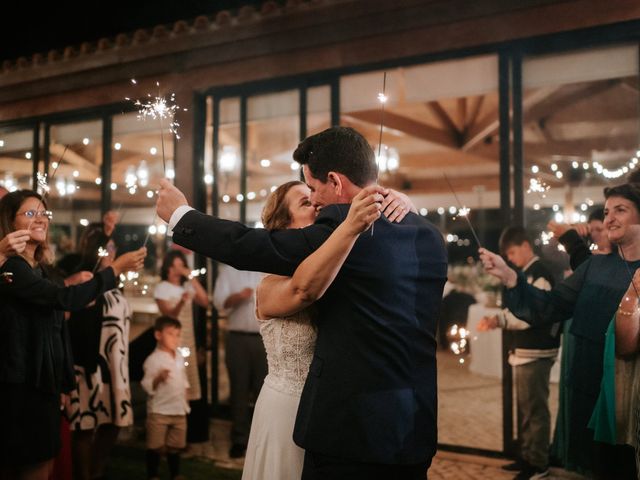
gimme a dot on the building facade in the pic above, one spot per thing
(527, 108)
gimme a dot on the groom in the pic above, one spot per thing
(369, 406)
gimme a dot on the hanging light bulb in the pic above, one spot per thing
(228, 158)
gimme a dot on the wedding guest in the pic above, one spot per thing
(532, 353)
(35, 359)
(579, 241)
(165, 381)
(245, 357)
(175, 296)
(590, 296)
(101, 401)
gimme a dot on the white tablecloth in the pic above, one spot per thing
(486, 347)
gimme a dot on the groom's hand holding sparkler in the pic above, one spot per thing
(495, 265)
(169, 198)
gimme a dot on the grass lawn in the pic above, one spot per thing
(128, 463)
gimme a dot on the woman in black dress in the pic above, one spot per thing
(35, 358)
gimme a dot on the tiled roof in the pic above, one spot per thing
(200, 25)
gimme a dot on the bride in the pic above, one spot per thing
(286, 323)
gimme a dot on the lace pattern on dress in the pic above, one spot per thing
(289, 343)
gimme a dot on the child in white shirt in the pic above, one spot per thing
(166, 383)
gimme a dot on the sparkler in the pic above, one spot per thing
(382, 98)
(538, 186)
(185, 352)
(153, 222)
(43, 184)
(459, 341)
(102, 253)
(546, 237)
(159, 108)
(462, 210)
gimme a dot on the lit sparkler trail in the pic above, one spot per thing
(382, 98)
(153, 222)
(102, 253)
(43, 184)
(159, 108)
(462, 210)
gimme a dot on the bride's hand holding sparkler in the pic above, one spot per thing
(130, 261)
(495, 265)
(364, 209)
(169, 198)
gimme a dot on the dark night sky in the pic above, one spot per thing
(56, 24)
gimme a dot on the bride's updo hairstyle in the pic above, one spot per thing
(276, 214)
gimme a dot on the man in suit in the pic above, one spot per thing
(369, 406)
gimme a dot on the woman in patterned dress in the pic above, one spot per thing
(101, 403)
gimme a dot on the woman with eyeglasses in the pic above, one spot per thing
(36, 367)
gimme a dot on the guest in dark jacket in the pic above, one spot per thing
(35, 357)
(533, 351)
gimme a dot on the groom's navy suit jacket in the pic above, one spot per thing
(371, 392)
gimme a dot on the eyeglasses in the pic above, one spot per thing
(48, 214)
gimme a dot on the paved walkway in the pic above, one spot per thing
(445, 466)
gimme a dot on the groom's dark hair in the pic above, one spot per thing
(338, 149)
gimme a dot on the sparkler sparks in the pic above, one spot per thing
(458, 337)
(546, 237)
(382, 98)
(461, 209)
(197, 272)
(538, 186)
(43, 184)
(185, 352)
(159, 108)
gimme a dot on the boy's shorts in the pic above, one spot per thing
(169, 430)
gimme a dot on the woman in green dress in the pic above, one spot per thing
(590, 296)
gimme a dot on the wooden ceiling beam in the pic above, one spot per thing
(445, 120)
(407, 126)
(437, 185)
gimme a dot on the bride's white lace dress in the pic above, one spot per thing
(271, 453)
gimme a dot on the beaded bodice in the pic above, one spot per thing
(289, 343)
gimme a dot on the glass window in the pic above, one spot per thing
(318, 109)
(140, 157)
(273, 133)
(580, 134)
(442, 119)
(229, 159)
(74, 177)
(16, 153)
